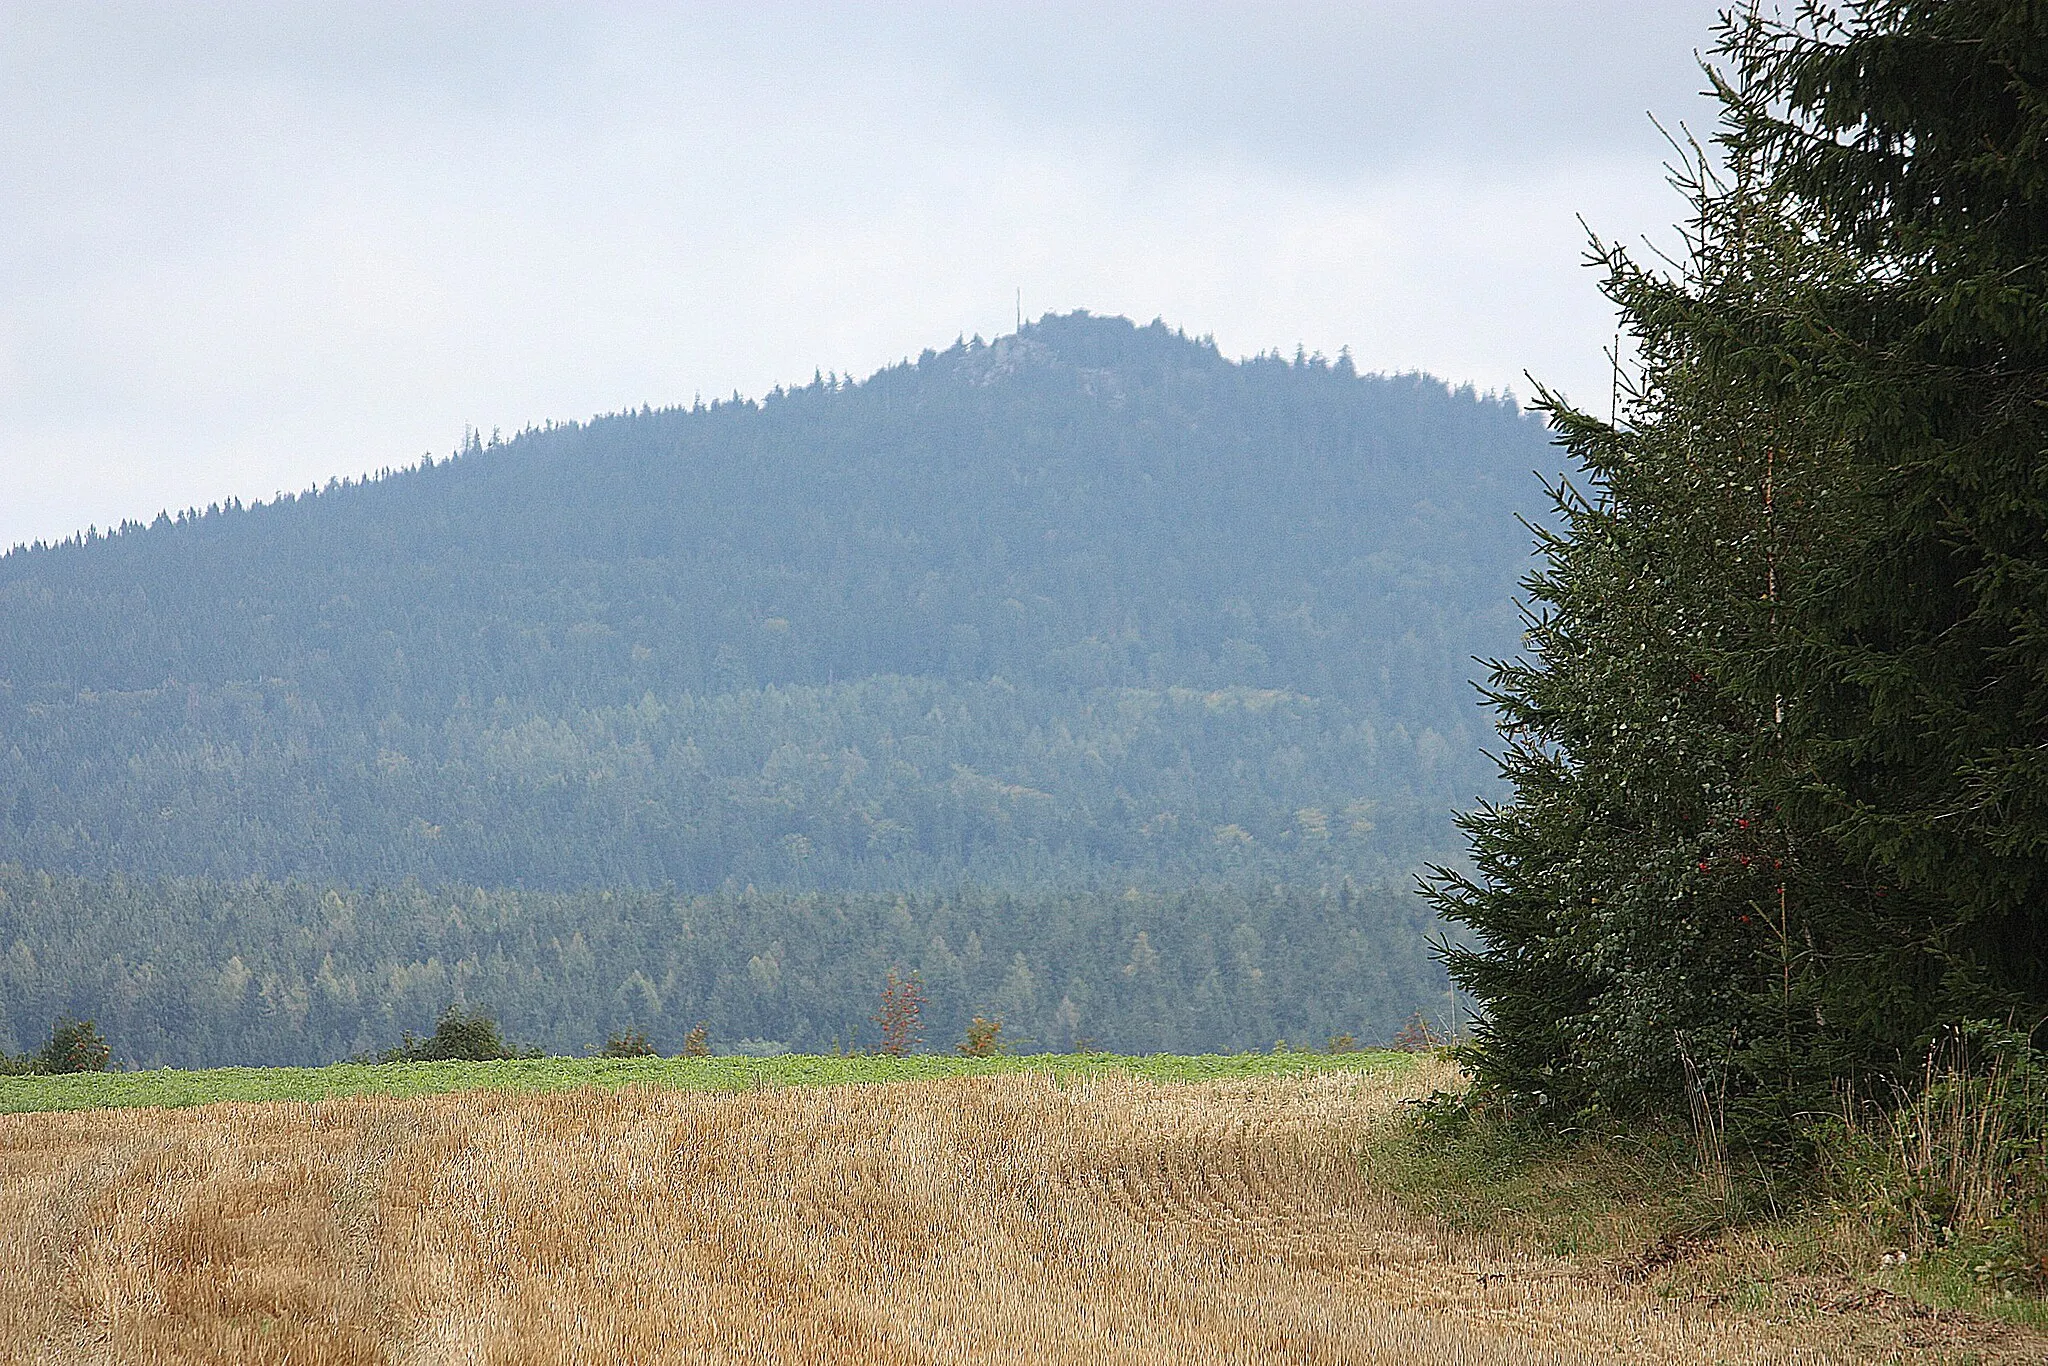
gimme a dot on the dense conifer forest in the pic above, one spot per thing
(190, 972)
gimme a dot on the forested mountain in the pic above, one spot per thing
(1088, 605)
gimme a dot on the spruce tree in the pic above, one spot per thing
(1916, 132)
(1776, 744)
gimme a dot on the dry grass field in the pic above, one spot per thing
(987, 1219)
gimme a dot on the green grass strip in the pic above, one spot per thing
(167, 1087)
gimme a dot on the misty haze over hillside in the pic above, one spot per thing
(1088, 604)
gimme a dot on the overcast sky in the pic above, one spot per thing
(246, 247)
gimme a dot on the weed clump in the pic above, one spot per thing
(1953, 1179)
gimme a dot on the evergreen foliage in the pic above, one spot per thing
(1781, 796)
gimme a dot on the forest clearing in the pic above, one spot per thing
(1017, 1217)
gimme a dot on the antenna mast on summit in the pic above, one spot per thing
(1020, 310)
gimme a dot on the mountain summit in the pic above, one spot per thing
(1091, 602)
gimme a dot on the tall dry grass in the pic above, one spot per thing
(1002, 1219)
(1954, 1173)
(1957, 1145)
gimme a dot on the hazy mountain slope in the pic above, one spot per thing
(1093, 601)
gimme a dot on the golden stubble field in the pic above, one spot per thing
(1000, 1219)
